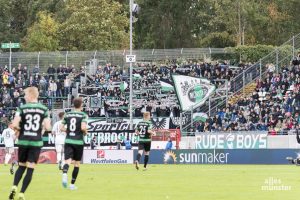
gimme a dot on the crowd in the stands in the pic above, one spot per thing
(274, 105)
(54, 85)
(108, 80)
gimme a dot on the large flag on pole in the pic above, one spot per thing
(192, 92)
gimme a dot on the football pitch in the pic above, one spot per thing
(163, 182)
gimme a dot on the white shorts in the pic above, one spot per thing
(9, 150)
(60, 148)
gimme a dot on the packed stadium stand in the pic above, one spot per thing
(273, 105)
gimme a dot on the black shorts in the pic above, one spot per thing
(29, 154)
(146, 146)
(73, 151)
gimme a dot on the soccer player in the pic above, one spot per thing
(29, 121)
(75, 125)
(145, 132)
(9, 138)
(60, 137)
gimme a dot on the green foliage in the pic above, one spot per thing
(4, 21)
(94, 24)
(166, 24)
(104, 24)
(43, 35)
(218, 40)
(252, 53)
(170, 24)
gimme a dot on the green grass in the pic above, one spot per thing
(160, 182)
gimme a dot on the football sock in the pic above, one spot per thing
(138, 157)
(27, 179)
(65, 168)
(19, 173)
(74, 174)
(146, 160)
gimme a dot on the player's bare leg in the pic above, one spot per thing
(65, 172)
(7, 157)
(138, 158)
(13, 164)
(62, 158)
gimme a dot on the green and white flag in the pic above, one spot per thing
(166, 87)
(123, 86)
(200, 117)
(192, 92)
(136, 77)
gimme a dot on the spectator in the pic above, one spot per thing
(52, 93)
(127, 143)
(59, 90)
(93, 143)
(169, 144)
(51, 71)
(67, 86)
(36, 70)
(52, 88)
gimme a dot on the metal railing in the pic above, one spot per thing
(277, 59)
(116, 57)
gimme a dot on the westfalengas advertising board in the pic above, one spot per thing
(108, 156)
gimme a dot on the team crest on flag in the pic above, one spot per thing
(191, 91)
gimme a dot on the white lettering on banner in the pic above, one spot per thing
(231, 141)
(213, 142)
(51, 139)
(108, 156)
(239, 142)
(248, 141)
(263, 141)
(110, 137)
(203, 158)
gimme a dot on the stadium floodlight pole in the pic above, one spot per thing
(130, 66)
(10, 57)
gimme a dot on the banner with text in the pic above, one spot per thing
(109, 133)
(108, 157)
(222, 156)
(237, 140)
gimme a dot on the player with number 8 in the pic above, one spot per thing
(75, 126)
